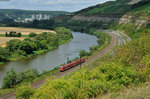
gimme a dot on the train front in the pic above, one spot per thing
(60, 68)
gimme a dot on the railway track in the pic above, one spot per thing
(58, 75)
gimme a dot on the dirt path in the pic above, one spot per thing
(62, 74)
(24, 31)
(4, 40)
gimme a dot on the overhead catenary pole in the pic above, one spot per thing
(67, 60)
(81, 62)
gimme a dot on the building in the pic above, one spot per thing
(34, 17)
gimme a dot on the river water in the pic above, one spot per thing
(52, 58)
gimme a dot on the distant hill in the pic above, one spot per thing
(112, 7)
(22, 14)
(103, 15)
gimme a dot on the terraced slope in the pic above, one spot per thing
(112, 7)
(105, 14)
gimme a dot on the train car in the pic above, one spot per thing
(70, 65)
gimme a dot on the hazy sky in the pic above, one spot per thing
(50, 5)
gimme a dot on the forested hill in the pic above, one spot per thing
(102, 15)
(112, 7)
(15, 13)
(116, 76)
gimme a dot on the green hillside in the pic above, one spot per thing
(108, 14)
(126, 69)
(143, 9)
(112, 7)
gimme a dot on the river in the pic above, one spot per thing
(51, 59)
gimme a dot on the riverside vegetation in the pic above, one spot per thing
(31, 75)
(35, 44)
(129, 66)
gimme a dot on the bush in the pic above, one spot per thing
(83, 53)
(4, 55)
(13, 34)
(12, 78)
(24, 92)
(32, 34)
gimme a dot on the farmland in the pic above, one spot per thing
(24, 31)
(3, 40)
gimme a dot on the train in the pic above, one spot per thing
(70, 65)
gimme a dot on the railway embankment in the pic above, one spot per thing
(103, 51)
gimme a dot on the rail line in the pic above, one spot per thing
(58, 75)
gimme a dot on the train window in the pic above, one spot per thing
(60, 67)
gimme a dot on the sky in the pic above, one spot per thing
(49, 5)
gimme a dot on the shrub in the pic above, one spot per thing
(83, 53)
(32, 34)
(24, 92)
(13, 34)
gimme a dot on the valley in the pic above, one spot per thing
(116, 49)
(23, 31)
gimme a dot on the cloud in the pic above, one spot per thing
(70, 1)
(61, 5)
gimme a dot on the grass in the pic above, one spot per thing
(142, 8)
(39, 52)
(3, 35)
(103, 46)
(134, 92)
(112, 7)
(43, 75)
(5, 91)
(24, 31)
(1, 63)
(46, 74)
(63, 42)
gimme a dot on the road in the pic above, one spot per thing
(115, 38)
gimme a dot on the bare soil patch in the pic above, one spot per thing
(3, 40)
(24, 31)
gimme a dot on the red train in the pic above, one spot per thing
(70, 65)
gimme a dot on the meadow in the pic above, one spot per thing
(24, 32)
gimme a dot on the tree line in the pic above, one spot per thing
(102, 37)
(128, 67)
(13, 34)
(35, 43)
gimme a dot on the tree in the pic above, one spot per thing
(6, 34)
(43, 44)
(18, 34)
(4, 54)
(39, 37)
(101, 41)
(83, 53)
(28, 75)
(63, 33)
(93, 48)
(10, 34)
(28, 47)
(10, 79)
(52, 41)
(13, 45)
(24, 92)
(32, 34)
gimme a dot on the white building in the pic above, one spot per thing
(34, 17)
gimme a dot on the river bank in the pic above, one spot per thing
(53, 58)
(55, 70)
